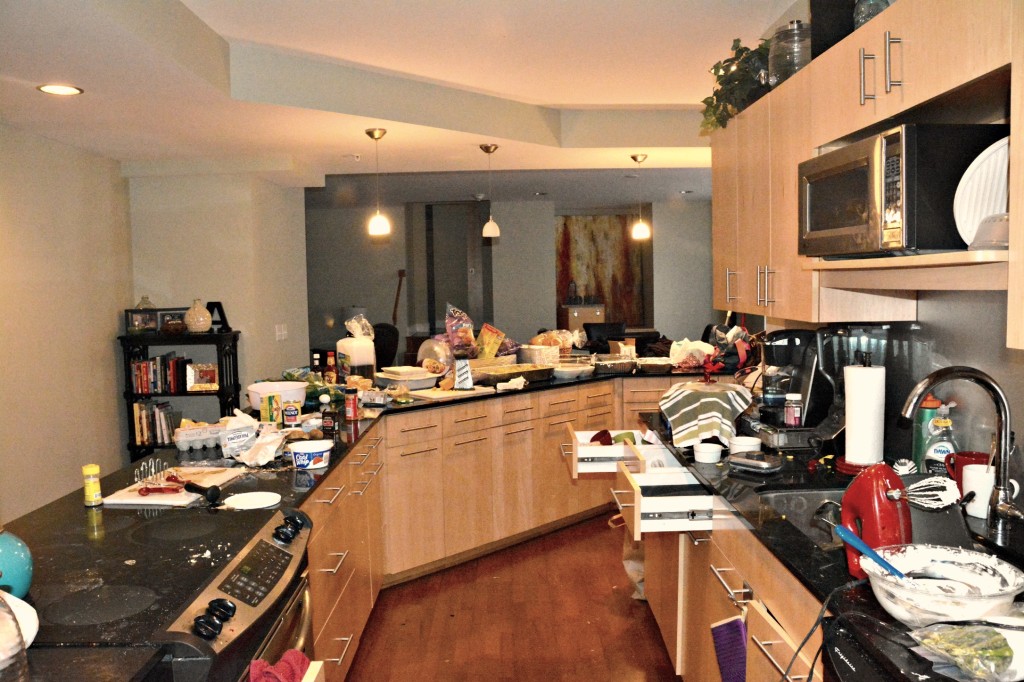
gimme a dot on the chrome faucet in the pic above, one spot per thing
(1000, 508)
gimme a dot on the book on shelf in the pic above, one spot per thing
(154, 422)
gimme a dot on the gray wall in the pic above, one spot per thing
(682, 268)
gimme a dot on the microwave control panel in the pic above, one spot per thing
(892, 194)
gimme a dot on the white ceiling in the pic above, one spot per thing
(286, 88)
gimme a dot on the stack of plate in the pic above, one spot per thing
(414, 377)
(982, 194)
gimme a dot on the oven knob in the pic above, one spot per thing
(285, 533)
(207, 626)
(294, 521)
(221, 609)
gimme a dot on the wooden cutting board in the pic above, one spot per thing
(203, 476)
(441, 394)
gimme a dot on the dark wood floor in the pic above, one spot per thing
(556, 608)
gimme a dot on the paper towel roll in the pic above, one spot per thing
(865, 413)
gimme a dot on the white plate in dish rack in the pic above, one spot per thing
(983, 189)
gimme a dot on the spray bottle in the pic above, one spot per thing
(941, 442)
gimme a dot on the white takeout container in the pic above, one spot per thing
(311, 454)
(288, 390)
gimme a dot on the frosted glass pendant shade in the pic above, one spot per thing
(641, 230)
(491, 229)
(379, 225)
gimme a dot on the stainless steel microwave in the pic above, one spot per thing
(890, 194)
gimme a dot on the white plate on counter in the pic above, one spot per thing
(255, 500)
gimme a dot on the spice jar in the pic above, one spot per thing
(794, 411)
(351, 404)
(91, 485)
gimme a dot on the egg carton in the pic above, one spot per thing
(197, 437)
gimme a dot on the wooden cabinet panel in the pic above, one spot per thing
(559, 401)
(332, 558)
(468, 491)
(663, 588)
(512, 478)
(770, 649)
(336, 644)
(414, 427)
(519, 408)
(413, 505)
(708, 575)
(724, 217)
(468, 417)
(325, 498)
(753, 209)
(554, 495)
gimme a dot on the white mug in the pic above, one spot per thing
(744, 444)
(981, 478)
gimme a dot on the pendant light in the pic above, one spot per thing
(379, 224)
(491, 228)
(641, 230)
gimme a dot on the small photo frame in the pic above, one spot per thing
(141, 320)
(201, 376)
(165, 315)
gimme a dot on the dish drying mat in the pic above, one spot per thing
(199, 475)
(696, 410)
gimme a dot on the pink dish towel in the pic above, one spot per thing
(730, 639)
(291, 668)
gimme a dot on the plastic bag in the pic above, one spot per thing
(985, 652)
(359, 326)
(459, 327)
(689, 354)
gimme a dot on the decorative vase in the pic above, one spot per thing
(15, 564)
(198, 318)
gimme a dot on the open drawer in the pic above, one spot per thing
(593, 458)
(662, 500)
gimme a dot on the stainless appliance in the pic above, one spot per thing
(889, 194)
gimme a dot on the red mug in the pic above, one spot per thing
(956, 461)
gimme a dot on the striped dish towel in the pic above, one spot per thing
(696, 411)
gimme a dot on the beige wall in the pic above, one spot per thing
(682, 268)
(65, 278)
(230, 238)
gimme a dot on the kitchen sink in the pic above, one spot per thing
(798, 506)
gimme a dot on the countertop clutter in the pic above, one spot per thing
(105, 576)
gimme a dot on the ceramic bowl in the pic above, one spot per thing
(744, 444)
(573, 371)
(707, 453)
(918, 602)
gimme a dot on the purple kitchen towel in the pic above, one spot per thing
(730, 638)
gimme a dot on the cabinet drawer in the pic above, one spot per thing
(396, 455)
(336, 644)
(594, 458)
(645, 390)
(414, 427)
(331, 565)
(519, 408)
(598, 394)
(559, 401)
(770, 649)
(475, 416)
(327, 496)
(663, 501)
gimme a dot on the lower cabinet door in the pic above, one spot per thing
(512, 476)
(468, 491)
(414, 506)
(770, 649)
(554, 495)
(336, 644)
(713, 591)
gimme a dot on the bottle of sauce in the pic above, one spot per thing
(329, 418)
(315, 367)
(331, 370)
(351, 404)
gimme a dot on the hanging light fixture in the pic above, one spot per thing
(641, 230)
(379, 224)
(491, 228)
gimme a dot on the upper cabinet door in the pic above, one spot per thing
(753, 130)
(723, 216)
(910, 53)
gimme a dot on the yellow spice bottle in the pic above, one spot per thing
(91, 481)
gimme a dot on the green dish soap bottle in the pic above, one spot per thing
(941, 442)
(922, 421)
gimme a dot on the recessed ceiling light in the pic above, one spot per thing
(62, 90)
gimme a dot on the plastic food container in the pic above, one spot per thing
(311, 454)
(919, 602)
(288, 390)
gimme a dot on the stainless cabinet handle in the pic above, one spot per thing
(598, 414)
(365, 456)
(731, 592)
(560, 421)
(566, 449)
(416, 452)
(728, 285)
(864, 57)
(512, 433)
(380, 465)
(598, 395)
(768, 300)
(366, 484)
(890, 82)
(337, 492)
(348, 643)
(615, 496)
(469, 419)
(459, 443)
(563, 402)
(334, 571)
(757, 296)
(418, 428)
(696, 540)
(763, 646)
(519, 409)
(376, 442)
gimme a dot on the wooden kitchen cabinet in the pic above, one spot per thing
(917, 55)
(714, 592)
(663, 561)
(573, 317)
(554, 495)
(770, 648)
(753, 213)
(512, 476)
(468, 491)
(413, 503)
(724, 217)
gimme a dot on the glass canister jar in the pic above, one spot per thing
(790, 51)
(865, 10)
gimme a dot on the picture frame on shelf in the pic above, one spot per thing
(141, 320)
(171, 320)
(201, 376)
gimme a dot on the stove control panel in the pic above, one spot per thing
(250, 584)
